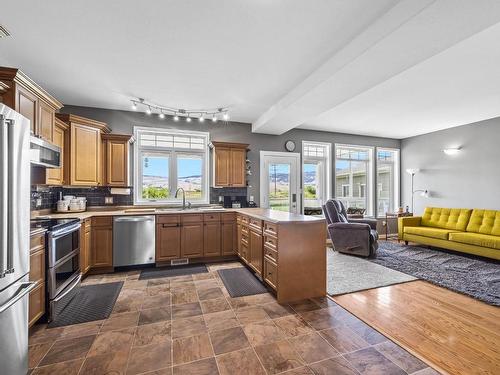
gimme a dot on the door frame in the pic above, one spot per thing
(294, 157)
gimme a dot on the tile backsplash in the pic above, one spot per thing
(95, 195)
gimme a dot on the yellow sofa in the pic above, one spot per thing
(459, 229)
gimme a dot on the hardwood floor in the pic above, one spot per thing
(451, 332)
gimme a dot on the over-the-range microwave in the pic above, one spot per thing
(44, 154)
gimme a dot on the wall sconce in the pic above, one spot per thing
(452, 151)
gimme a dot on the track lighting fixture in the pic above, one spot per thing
(201, 114)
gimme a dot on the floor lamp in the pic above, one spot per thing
(423, 193)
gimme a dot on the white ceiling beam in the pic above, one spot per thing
(408, 34)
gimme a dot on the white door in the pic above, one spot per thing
(279, 181)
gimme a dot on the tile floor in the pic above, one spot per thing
(190, 325)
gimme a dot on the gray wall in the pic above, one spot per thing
(470, 179)
(124, 121)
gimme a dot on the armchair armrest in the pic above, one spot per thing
(349, 226)
(371, 222)
(407, 221)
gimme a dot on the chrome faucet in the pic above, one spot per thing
(183, 198)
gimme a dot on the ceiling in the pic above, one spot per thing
(386, 68)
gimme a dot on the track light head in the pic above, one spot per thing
(201, 118)
(134, 106)
(214, 118)
(225, 116)
(148, 111)
(161, 115)
(188, 119)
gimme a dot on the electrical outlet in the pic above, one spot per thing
(38, 202)
(251, 198)
(108, 200)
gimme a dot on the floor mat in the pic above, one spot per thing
(190, 269)
(241, 282)
(90, 303)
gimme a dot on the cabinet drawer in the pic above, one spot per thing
(244, 219)
(211, 217)
(228, 216)
(168, 219)
(37, 266)
(244, 238)
(87, 223)
(270, 273)
(36, 304)
(270, 228)
(244, 252)
(270, 241)
(192, 218)
(102, 221)
(244, 230)
(37, 241)
(271, 253)
(255, 224)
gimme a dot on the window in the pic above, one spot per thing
(387, 180)
(166, 160)
(316, 180)
(353, 176)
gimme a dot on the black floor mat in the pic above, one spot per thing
(189, 269)
(241, 282)
(91, 302)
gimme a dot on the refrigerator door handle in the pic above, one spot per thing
(24, 289)
(4, 194)
(10, 191)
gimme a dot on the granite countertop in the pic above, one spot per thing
(258, 213)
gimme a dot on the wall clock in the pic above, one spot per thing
(290, 146)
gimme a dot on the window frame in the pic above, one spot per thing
(172, 153)
(325, 165)
(396, 183)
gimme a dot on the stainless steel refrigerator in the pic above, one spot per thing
(14, 240)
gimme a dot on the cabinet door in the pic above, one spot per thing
(36, 304)
(55, 176)
(117, 163)
(46, 121)
(211, 239)
(85, 155)
(228, 232)
(27, 105)
(83, 250)
(238, 238)
(102, 246)
(256, 251)
(168, 242)
(192, 240)
(238, 167)
(222, 166)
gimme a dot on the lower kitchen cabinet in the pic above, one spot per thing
(85, 246)
(192, 236)
(36, 304)
(211, 239)
(229, 244)
(256, 250)
(37, 274)
(168, 239)
(102, 242)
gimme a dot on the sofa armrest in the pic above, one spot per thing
(407, 221)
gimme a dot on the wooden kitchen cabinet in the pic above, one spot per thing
(168, 238)
(85, 150)
(211, 238)
(116, 153)
(29, 99)
(192, 236)
(229, 244)
(229, 164)
(86, 246)
(102, 242)
(256, 250)
(36, 299)
(60, 137)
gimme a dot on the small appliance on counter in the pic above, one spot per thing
(71, 203)
(62, 260)
(235, 202)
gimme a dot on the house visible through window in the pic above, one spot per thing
(166, 160)
(316, 180)
(387, 180)
(353, 176)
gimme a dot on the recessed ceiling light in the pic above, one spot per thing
(451, 151)
(4, 32)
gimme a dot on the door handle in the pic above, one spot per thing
(4, 196)
(21, 292)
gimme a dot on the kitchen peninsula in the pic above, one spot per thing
(285, 250)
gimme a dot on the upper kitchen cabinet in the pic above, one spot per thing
(60, 137)
(22, 94)
(229, 164)
(116, 165)
(85, 150)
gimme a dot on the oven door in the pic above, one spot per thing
(62, 243)
(63, 273)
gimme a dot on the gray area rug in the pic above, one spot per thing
(241, 282)
(347, 274)
(90, 303)
(467, 274)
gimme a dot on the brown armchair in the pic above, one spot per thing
(350, 236)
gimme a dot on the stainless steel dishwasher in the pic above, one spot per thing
(133, 240)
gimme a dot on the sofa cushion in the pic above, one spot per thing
(483, 240)
(429, 232)
(484, 222)
(446, 218)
